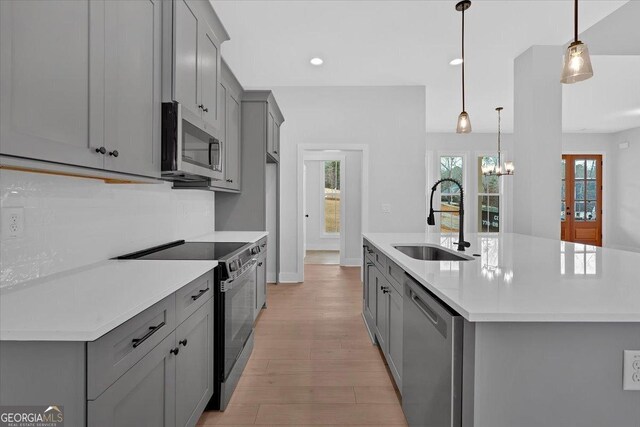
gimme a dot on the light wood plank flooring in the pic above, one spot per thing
(322, 257)
(313, 362)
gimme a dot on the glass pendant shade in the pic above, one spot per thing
(577, 63)
(464, 124)
(509, 167)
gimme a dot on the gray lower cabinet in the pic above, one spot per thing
(261, 284)
(194, 365)
(144, 396)
(383, 307)
(169, 386)
(81, 83)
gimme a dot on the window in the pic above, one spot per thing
(331, 196)
(488, 197)
(450, 167)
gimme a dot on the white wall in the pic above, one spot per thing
(389, 120)
(316, 239)
(72, 222)
(625, 230)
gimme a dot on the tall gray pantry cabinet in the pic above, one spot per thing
(257, 208)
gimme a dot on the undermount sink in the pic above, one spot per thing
(431, 253)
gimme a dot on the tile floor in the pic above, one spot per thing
(322, 257)
(313, 363)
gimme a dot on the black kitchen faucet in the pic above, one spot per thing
(462, 244)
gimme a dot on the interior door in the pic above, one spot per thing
(581, 198)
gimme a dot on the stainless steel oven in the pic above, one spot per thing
(189, 153)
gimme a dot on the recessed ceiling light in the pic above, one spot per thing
(316, 61)
(456, 61)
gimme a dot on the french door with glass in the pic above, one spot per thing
(581, 198)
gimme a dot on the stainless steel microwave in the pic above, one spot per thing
(189, 153)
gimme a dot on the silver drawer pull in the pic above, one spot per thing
(202, 292)
(152, 330)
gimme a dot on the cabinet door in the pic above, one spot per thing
(261, 286)
(186, 66)
(382, 310)
(276, 139)
(394, 354)
(132, 86)
(45, 85)
(144, 396)
(210, 66)
(371, 293)
(271, 124)
(194, 365)
(233, 142)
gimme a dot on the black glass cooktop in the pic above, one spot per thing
(188, 251)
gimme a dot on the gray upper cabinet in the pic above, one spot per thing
(132, 86)
(144, 396)
(192, 61)
(185, 62)
(229, 98)
(81, 83)
(273, 119)
(194, 365)
(45, 85)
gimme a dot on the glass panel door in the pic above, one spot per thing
(581, 199)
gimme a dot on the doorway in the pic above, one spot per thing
(344, 208)
(581, 199)
(324, 207)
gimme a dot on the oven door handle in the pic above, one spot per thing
(227, 285)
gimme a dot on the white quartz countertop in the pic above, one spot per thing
(230, 236)
(520, 278)
(85, 303)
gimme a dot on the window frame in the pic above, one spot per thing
(326, 234)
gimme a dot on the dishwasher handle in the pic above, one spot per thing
(436, 314)
(424, 308)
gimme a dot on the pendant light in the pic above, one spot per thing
(577, 64)
(464, 124)
(499, 169)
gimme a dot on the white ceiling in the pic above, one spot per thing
(397, 42)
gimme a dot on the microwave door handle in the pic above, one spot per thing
(211, 142)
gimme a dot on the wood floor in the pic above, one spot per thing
(322, 257)
(313, 362)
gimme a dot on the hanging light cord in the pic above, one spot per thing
(499, 152)
(463, 106)
(575, 21)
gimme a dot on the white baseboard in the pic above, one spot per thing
(352, 262)
(290, 278)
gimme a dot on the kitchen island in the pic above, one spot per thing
(543, 327)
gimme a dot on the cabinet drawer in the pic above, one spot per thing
(375, 255)
(395, 275)
(192, 296)
(110, 356)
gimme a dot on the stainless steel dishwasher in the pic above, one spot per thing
(432, 362)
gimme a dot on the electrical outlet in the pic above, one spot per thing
(12, 222)
(386, 208)
(631, 371)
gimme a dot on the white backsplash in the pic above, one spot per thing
(71, 222)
